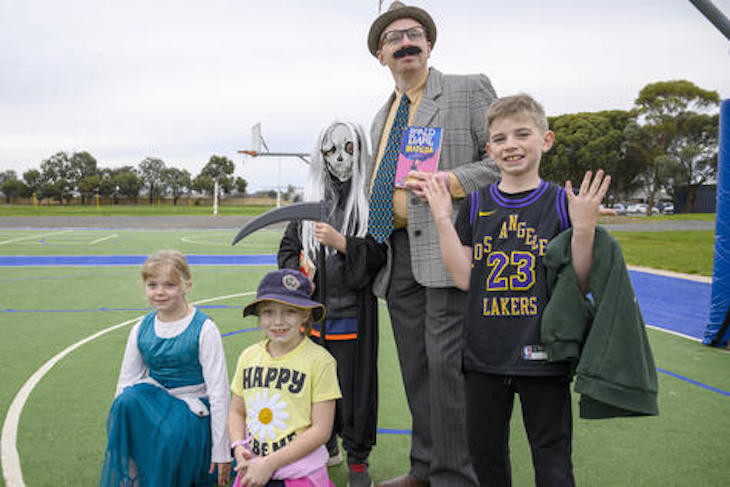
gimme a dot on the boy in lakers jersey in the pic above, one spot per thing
(494, 251)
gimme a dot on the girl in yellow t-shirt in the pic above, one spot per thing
(284, 390)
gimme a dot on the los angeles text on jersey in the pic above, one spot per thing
(527, 235)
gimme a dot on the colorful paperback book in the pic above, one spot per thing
(419, 151)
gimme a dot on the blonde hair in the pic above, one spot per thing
(173, 260)
(515, 105)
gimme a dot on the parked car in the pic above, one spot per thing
(606, 211)
(619, 208)
(668, 209)
(637, 209)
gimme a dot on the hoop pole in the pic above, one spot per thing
(714, 15)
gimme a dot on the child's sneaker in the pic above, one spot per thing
(359, 476)
(334, 452)
(335, 458)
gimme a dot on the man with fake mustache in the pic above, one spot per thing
(426, 310)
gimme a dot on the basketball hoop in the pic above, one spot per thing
(257, 143)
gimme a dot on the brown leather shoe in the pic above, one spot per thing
(406, 480)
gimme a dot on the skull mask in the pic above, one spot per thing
(337, 148)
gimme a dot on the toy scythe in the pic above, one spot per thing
(315, 211)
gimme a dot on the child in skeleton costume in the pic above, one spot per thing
(336, 175)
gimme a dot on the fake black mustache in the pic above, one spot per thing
(405, 51)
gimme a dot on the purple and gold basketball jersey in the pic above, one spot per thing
(509, 234)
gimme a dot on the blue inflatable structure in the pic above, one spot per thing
(717, 332)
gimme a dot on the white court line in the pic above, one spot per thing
(678, 275)
(682, 335)
(675, 333)
(12, 472)
(193, 240)
(94, 242)
(18, 239)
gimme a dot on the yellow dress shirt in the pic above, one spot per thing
(400, 203)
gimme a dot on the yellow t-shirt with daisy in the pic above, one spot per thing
(279, 392)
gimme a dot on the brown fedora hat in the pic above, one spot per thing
(398, 10)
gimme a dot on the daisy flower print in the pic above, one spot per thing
(265, 414)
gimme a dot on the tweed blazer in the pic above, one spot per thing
(458, 104)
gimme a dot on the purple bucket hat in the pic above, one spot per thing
(286, 286)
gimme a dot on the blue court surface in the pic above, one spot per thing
(675, 304)
(130, 260)
(672, 303)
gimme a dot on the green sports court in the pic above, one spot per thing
(64, 323)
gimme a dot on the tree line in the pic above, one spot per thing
(63, 176)
(666, 142)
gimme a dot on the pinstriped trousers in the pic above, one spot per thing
(427, 325)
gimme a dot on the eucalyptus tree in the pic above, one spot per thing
(151, 169)
(33, 180)
(676, 134)
(176, 181)
(11, 186)
(83, 174)
(56, 177)
(591, 141)
(127, 182)
(220, 169)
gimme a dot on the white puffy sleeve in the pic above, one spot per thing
(215, 374)
(133, 367)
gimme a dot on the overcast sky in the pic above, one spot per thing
(183, 80)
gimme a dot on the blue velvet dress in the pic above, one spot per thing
(154, 439)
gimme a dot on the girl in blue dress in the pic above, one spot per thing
(167, 425)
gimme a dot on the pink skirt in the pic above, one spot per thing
(310, 471)
(319, 478)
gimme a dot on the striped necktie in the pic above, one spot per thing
(380, 219)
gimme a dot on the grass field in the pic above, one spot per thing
(681, 251)
(61, 435)
(182, 208)
(127, 210)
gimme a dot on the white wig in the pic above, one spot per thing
(320, 187)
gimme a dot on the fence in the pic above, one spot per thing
(144, 200)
